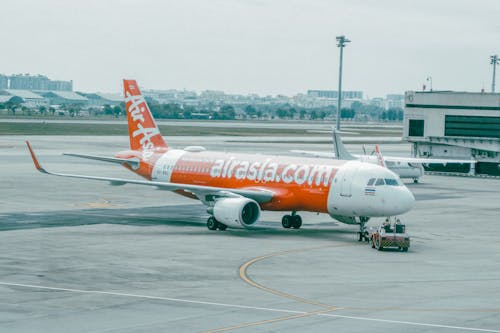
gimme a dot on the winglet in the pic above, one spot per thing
(35, 160)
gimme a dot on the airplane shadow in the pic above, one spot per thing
(188, 220)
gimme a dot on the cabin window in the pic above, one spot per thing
(391, 182)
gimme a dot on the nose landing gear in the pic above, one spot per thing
(363, 233)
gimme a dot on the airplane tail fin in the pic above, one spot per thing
(341, 152)
(380, 158)
(143, 133)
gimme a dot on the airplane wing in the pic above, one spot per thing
(134, 162)
(411, 160)
(417, 160)
(259, 195)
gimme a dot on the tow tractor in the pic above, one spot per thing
(391, 234)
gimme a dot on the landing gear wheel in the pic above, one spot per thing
(363, 233)
(222, 226)
(405, 249)
(363, 236)
(212, 223)
(296, 221)
(286, 221)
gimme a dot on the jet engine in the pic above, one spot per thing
(236, 212)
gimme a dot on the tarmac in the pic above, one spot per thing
(83, 256)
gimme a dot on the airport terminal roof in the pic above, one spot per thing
(104, 96)
(111, 97)
(5, 98)
(68, 95)
(24, 94)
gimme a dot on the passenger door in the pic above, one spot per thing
(346, 181)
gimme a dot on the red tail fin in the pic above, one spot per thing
(380, 158)
(143, 132)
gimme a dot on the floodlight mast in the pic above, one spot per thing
(494, 61)
(341, 42)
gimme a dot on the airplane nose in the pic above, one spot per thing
(402, 201)
(406, 200)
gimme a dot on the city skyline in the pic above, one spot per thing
(246, 47)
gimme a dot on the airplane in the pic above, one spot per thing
(405, 167)
(236, 187)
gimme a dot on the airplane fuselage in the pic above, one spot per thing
(336, 187)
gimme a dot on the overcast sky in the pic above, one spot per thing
(245, 46)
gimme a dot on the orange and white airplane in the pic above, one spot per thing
(236, 187)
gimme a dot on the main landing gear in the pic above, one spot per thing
(291, 221)
(213, 224)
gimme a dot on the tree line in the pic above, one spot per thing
(357, 111)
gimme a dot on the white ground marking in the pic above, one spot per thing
(410, 323)
(97, 292)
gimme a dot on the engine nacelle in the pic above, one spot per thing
(236, 212)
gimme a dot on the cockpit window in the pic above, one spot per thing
(380, 181)
(391, 182)
(371, 181)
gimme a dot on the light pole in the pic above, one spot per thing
(341, 41)
(494, 62)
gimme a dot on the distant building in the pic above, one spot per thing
(61, 85)
(172, 96)
(378, 101)
(29, 82)
(335, 94)
(395, 101)
(4, 82)
(212, 94)
(450, 124)
(38, 82)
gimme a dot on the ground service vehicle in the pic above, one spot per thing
(390, 235)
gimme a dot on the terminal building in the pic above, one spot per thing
(4, 81)
(459, 125)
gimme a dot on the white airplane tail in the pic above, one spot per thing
(341, 152)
